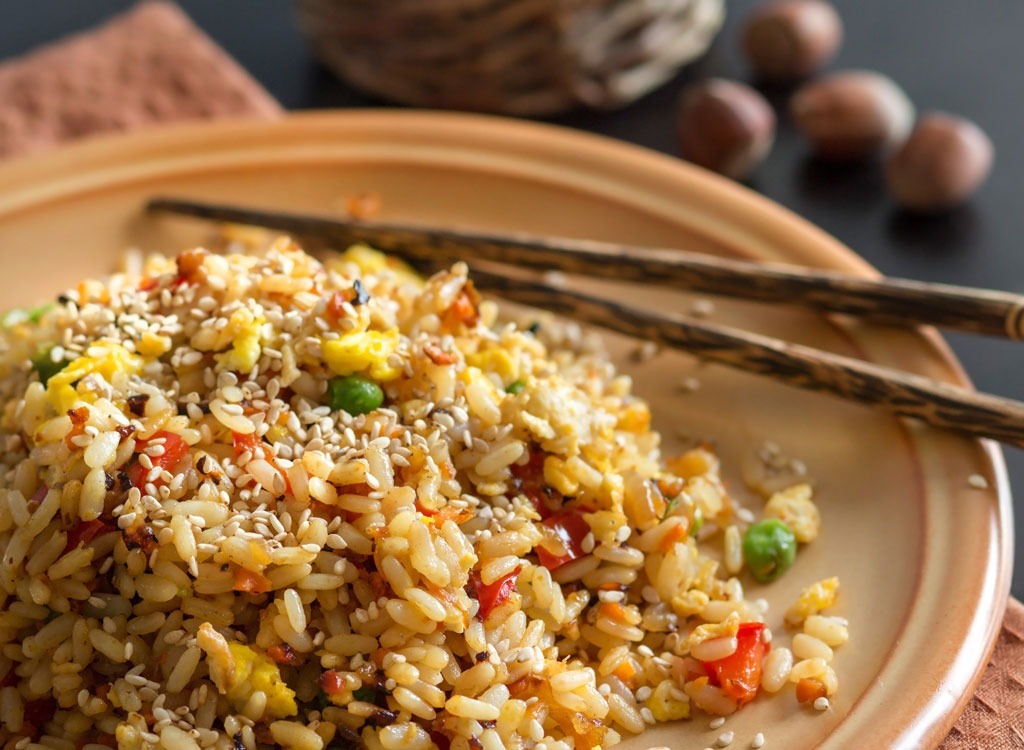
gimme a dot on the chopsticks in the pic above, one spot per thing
(895, 301)
(905, 394)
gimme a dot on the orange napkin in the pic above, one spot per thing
(153, 65)
(994, 719)
(146, 66)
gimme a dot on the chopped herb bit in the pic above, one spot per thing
(698, 521)
(365, 694)
(43, 364)
(321, 701)
(35, 314)
(516, 387)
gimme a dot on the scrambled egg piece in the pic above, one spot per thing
(708, 630)
(665, 706)
(254, 671)
(238, 671)
(795, 508)
(497, 361)
(812, 600)
(244, 330)
(363, 350)
(374, 261)
(104, 359)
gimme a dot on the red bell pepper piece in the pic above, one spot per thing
(175, 449)
(529, 480)
(493, 595)
(570, 527)
(331, 682)
(242, 443)
(739, 674)
(84, 532)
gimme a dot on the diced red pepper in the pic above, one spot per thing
(84, 532)
(440, 739)
(809, 689)
(463, 310)
(39, 711)
(331, 682)
(493, 595)
(675, 534)
(570, 528)
(529, 480)
(282, 653)
(175, 449)
(336, 306)
(243, 443)
(739, 674)
(251, 582)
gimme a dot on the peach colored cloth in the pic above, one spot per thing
(153, 65)
(994, 719)
(146, 66)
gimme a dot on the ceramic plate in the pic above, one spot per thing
(923, 557)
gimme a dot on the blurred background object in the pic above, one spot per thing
(521, 57)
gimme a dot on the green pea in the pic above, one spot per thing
(515, 387)
(354, 394)
(43, 364)
(769, 548)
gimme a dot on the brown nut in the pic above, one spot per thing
(852, 114)
(725, 126)
(790, 39)
(943, 162)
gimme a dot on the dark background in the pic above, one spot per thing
(962, 56)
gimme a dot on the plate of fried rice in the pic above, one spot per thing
(256, 494)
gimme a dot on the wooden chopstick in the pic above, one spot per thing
(893, 301)
(905, 394)
(901, 393)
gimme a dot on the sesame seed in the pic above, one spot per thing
(717, 722)
(977, 481)
(821, 704)
(725, 739)
(758, 741)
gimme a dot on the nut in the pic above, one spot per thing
(943, 162)
(791, 39)
(852, 114)
(725, 126)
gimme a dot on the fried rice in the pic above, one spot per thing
(203, 547)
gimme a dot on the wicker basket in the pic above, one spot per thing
(523, 57)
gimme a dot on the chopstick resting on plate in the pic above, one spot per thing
(894, 301)
(905, 394)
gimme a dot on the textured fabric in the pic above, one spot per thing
(994, 719)
(148, 65)
(153, 65)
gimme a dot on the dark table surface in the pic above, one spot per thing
(962, 57)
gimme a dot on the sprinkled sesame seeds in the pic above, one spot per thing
(725, 739)
(977, 481)
(717, 722)
(821, 704)
(758, 741)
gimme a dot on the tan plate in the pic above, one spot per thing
(924, 559)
